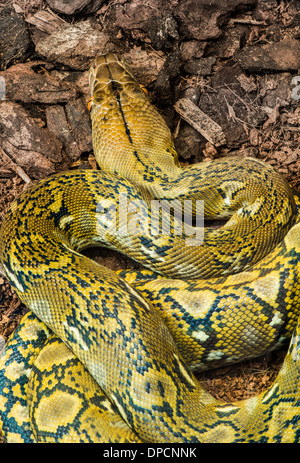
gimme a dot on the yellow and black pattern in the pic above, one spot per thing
(205, 311)
(133, 337)
(27, 378)
(16, 364)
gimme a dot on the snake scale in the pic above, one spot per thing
(107, 356)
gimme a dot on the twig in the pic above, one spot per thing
(250, 21)
(15, 167)
(200, 121)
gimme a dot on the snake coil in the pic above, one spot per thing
(109, 357)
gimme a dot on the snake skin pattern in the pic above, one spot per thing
(109, 357)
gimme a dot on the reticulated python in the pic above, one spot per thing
(109, 357)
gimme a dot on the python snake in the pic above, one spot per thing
(108, 357)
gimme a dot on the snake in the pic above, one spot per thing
(105, 356)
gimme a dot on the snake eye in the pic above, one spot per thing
(90, 103)
(144, 89)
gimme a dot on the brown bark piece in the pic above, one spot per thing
(46, 21)
(31, 147)
(75, 6)
(24, 85)
(276, 56)
(79, 120)
(74, 45)
(57, 124)
(145, 64)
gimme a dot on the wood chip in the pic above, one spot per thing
(24, 85)
(57, 124)
(74, 45)
(79, 120)
(200, 121)
(32, 148)
(16, 168)
(46, 21)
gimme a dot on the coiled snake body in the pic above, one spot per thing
(110, 356)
